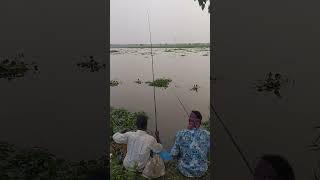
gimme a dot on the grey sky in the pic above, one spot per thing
(182, 20)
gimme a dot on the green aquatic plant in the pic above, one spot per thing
(15, 67)
(138, 81)
(161, 82)
(206, 125)
(90, 64)
(114, 83)
(195, 88)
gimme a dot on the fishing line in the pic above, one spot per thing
(154, 90)
(233, 140)
(217, 115)
(184, 108)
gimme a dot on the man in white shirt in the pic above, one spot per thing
(139, 145)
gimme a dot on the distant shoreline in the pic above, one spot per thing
(185, 45)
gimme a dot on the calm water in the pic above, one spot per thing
(63, 111)
(254, 38)
(261, 122)
(185, 67)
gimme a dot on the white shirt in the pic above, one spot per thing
(139, 145)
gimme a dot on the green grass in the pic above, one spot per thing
(161, 82)
(118, 172)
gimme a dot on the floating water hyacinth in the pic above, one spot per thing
(161, 82)
(138, 81)
(16, 67)
(90, 64)
(195, 88)
(114, 83)
(272, 83)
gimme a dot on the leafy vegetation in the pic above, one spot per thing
(172, 172)
(15, 67)
(118, 172)
(39, 163)
(206, 125)
(138, 81)
(123, 119)
(161, 82)
(90, 64)
(114, 83)
(195, 88)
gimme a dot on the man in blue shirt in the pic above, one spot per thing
(192, 147)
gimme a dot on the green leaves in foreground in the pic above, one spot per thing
(39, 163)
(161, 82)
(206, 125)
(123, 119)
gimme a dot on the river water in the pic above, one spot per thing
(186, 67)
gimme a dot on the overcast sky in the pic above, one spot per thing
(182, 21)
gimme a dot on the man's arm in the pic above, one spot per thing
(155, 146)
(175, 149)
(121, 138)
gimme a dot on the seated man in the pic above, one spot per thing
(192, 148)
(139, 145)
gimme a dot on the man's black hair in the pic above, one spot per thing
(198, 114)
(281, 166)
(142, 122)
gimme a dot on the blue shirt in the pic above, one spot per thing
(192, 146)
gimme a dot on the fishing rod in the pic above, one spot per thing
(154, 90)
(233, 140)
(227, 131)
(184, 108)
(218, 117)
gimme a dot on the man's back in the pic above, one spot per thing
(192, 146)
(138, 150)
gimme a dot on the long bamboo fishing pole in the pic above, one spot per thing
(233, 140)
(154, 90)
(227, 131)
